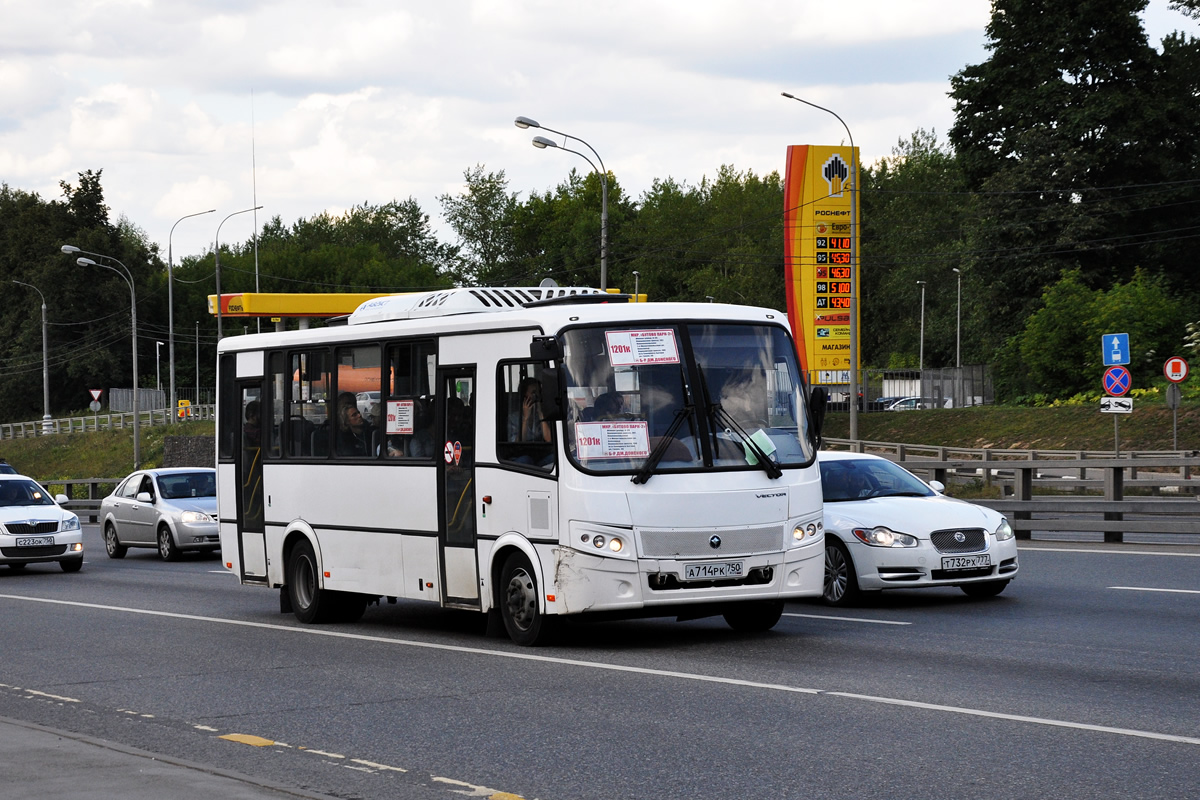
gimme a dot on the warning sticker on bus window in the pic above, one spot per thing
(595, 440)
(399, 417)
(631, 348)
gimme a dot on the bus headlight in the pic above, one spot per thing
(804, 531)
(608, 540)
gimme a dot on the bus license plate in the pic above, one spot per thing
(967, 562)
(708, 572)
(35, 541)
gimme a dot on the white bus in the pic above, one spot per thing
(534, 453)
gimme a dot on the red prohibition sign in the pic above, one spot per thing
(1176, 369)
(1116, 381)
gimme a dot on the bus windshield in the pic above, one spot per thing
(684, 397)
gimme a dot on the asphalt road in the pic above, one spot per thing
(1080, 681)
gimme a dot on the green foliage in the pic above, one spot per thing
(1059, 350)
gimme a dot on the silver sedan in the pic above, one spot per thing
(172, 509)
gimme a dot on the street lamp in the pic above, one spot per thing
(157, 368)
(45, 362)
(197, 400)
(921, 361)
(958, 323)
(128, 276)
(854, 267)
(217, 256)
(171, 307)
(542, 143)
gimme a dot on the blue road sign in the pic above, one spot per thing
(1115, 348)
(1116, 381)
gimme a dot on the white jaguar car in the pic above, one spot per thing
(887, 529)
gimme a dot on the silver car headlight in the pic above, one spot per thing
(884, 537)
(192, 517)
(1004, 532)
(71, 523)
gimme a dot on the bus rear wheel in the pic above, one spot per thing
(523, 620)
(310, 603)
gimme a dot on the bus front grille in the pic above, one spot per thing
(714, 542)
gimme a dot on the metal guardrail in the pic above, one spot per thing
(97, 422)
(1019, 471)
(95, 489)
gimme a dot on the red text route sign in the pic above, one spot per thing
(1116, 381)
(1176, 369)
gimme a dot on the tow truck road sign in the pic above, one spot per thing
(1116, 405)
(1176, 369)
(1116, 381)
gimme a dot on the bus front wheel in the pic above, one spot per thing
(524, 621)
(754, 616)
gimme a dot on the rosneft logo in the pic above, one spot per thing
(714, 542)
(835, 172)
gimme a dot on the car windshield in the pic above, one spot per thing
(861, 479)
(23, 493)
(179, 485)
(669, 397)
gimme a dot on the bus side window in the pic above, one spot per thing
(524, 437)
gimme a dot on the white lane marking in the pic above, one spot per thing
(1152, 589)
(1106, 552)
(1057, 723)
(377, 765)
(1166, 737)
(847, 619)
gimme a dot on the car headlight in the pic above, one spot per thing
(194, 516)
(71, 523)
(884, 537)
(1004, 532)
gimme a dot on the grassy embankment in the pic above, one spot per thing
(109, 454)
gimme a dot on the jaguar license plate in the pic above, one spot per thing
(708, 572)
(967, 562)
(35, 541)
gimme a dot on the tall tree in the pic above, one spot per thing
(1060, 133)
(482, 218)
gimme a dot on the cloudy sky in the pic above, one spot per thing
(313, 105)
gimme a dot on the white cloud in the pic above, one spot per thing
(368, 101)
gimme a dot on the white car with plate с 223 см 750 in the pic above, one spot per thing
(887, 529)
(35, 528)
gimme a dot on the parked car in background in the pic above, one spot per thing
(173, 509)
(35, 528)
(7, 468)
(882, 403)
(913, 403)
(885, 528)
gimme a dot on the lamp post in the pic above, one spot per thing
(217, 256)
(921, 357)
(541, 142)
(157, 367)
(45, 362)
(958, 323)
(854, 266)
(636, 277)
(171, 308)
(128, 276)
(197, 401)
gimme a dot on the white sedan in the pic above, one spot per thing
(34, 527)
(887, 529)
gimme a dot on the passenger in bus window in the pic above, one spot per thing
(251, 430)
(354, 434)
(526, 423)
(607, 406)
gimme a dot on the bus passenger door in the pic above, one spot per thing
(250, 485)
(456, 487)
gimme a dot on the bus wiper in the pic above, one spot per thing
(720, 414)
(660, 450)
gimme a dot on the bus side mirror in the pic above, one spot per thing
(818, 400)
(552, 395)
(546, 348)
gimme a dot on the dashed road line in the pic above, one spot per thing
(1154, 589)
(848, 619)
